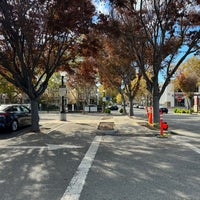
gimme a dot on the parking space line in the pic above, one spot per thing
(55, 128)
(75, 187)
(49, 147)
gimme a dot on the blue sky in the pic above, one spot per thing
(101, 6)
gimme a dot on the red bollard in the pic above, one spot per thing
(149, 114)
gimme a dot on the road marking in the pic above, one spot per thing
(75, 187)
(55, 128)
(196, 149)
(182, 141)
(49, 147)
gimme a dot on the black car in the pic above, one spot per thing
(14, 116)
(164, 110)
(113, 107)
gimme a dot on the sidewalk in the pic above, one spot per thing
(123, 124)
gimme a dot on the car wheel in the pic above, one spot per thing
(14, 125)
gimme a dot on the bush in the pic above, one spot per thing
(107, 110)
(176, 110)
(121, 110)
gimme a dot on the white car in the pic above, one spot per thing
(141, 106)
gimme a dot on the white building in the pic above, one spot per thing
(167, 99)
(171, 98)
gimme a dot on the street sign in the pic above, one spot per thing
(62, 91)
(179, 98)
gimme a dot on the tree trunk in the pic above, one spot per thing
(35, 115)
(124, 104)
(131, 113)
(156, 112)
(189, 100)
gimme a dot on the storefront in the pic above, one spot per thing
(196, 102)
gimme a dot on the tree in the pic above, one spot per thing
(8, 91)
(51, 94)
(192, 65)
(187, 84)
(188, 77)
(117, 70)
(162, 34)
(37, 37)
(83, 79)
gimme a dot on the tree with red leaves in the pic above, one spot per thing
(187, 83)
(83, 80)
(37, 37)
(161, 35)
(117, 70)
(187, 78)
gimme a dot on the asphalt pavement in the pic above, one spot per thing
(74, 160)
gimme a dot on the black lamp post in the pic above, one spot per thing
(62, 91)
(63, 98)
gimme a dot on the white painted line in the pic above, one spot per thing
(182, 141)
(75, 187)
(196, 149)
(23, 147)
(59, 126)
(49, 147)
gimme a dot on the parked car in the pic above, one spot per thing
(135, 106)
(13, 116)
(141, 107)
(113, 107)
(164, 110)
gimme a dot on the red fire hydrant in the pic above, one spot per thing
(163, 125)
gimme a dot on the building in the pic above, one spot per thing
(167, 99)
(172, 98)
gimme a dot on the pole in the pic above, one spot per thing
(63, 98)
(63, 112)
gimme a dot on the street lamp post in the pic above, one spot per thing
(4, 98)
(63, 98)
(62, 92)
(98, 84)
(104, 100)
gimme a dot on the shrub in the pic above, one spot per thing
(121, 110)
(175, 110)
(107, 110)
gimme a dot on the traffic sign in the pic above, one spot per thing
(62, 91)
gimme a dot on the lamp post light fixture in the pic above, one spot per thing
(4, 98)
(62, 92)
